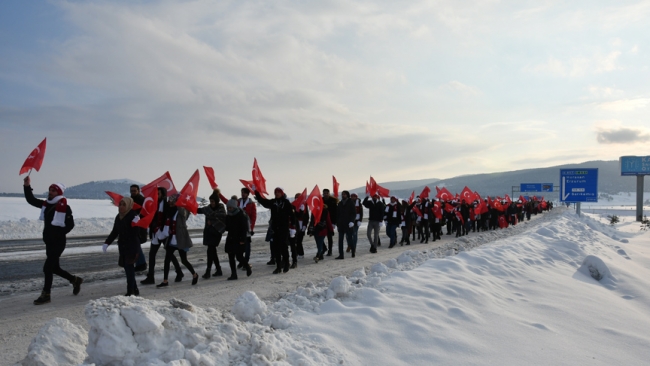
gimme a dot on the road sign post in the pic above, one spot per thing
(639, 166)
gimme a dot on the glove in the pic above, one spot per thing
(351, 225)
(334, 227)
(105, 247)
(304, 228)
(252, 233)
(292, 233)
(403, 224)
(358, 223)
(136, 219)
(381, 224)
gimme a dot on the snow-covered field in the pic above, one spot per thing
(567, 291)
(19, 220)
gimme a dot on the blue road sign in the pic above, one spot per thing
(536, 187)
(579, 185)
(635, 165)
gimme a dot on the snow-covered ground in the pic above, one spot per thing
(19, 220)
(562, 290)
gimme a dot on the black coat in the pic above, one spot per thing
(237, 226)
(282, 213)
(375, 209)
(128, 238)
(214, 222)
(346, 213)
(52, 234)
(332, 202)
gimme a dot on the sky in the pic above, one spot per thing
(396, 90)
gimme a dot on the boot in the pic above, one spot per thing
(76, 285)
(320, 257)
(148, 281)
(240, 265)
(43, 299)
(206, 275)
(195, 279)
(329, 253)
(286, 266)
(129, 292)
(316, 258)
(249, 270)
(136, 291)
(348, 250)
(277, 270)
(354, 252)
(340, 257)
(218, 273)
(271, 262)
(232, 277)
(294, 264)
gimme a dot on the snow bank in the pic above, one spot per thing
(536, 290)
(59, 342)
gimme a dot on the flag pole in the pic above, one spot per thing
(30, 172)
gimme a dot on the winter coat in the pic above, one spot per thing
(282, 216)
(52, 234)
(375, 209)
(142, 232)
(323, 227)
(178, 217)
(250, 208)
(302, 217)
(237, 226)
(214, 223)
(332, 202)
(345, 214)
(393, 214)
(358, 208)
(128, 238)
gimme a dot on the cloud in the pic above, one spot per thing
(462, 89)
(623, 105)
(622, 135)
(578, 66)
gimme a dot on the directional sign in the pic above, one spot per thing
(536, 187)
(579, 185)
(635, 165)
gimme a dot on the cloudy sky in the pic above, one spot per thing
(400, 90)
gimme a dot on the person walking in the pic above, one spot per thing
(128, 242)
(375, 218)
(138, 198)
(319, 230)
(156, 233)
(345, 215)
(58, 219)
(238, 227)
(215, 216)
(282, 218)
(393, 218)
(331, 202)
(177, 239)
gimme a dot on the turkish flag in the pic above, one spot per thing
(449, 207)
(209, 172)
(437, 210)
(116, 198)
(367, 189)
(249, 184)
(503, 223)
(148, 211)
(315, 203)
(444, 194)
(164, 181)
(417, 211)
(522, 199)
(467, 195)
(300, 200)
(187, 197)
(35, 159)
(477, 197)
(335, 187)
(258, 178)
(425, 192)
(373, 186)
(460, 217)
(376, 188)
(508, 200)
(412, 197)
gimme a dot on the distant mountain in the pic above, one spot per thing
(609, 180)
(96, 190)
(406, 184)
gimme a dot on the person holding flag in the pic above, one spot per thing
(238, 227)
(177, 239)
(375, 216)
(302, 218)
(331, 202)
(138, 199)
(250, 209)
(282, 218)
(393, 217)
(320, 230)
(346, 215)
(128, 242)
(215, 217)
(57, 216)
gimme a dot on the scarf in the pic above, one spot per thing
(59, 210)
(129, 206)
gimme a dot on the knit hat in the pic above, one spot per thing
(231, 204)
(59, 187)
(279, 189)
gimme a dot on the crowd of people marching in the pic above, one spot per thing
(420, 218)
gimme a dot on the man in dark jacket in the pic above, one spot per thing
(282, 217)
(331, 202)
(238, 226)
(346, 215)
(138, 198)
(375, 217)
(57, 216)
